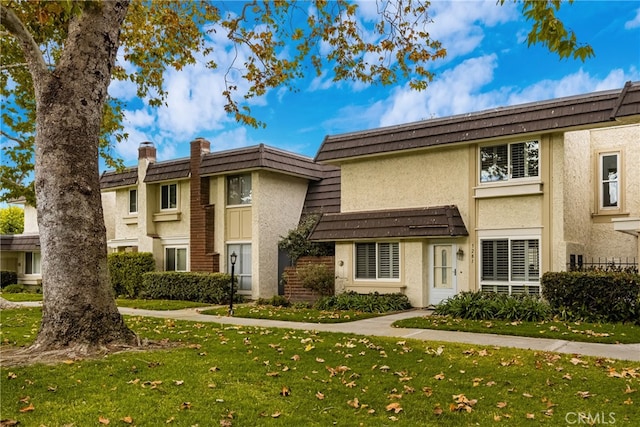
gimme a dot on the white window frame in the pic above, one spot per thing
(133, 191)
(243, 202)
(509, 283)
(33, 263)
(176, 249)
(508, 173)
(242, 270)
(393, 266)
(603, 181)
(177, 201)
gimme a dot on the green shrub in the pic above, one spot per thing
(296, 244)
(489, 305)
(276, 301)
(593, 296)
(126, 270)
(8, 278)
(318, 278)
(368, 303)
(209, 288)
(14, 289)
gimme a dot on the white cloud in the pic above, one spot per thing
(455, 91)
(634, 23)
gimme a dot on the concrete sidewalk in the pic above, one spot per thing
(381, 326)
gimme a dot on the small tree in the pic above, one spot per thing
(297, 243)
(11, 220)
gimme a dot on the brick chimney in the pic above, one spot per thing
(147, 151)
(203, 256)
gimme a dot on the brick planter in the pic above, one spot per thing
(293, 289)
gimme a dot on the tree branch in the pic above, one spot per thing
(30, 48)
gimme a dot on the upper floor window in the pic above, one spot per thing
(133, 201)
(239, 190)
(378, 260)
(168, 196)
(609, 181)
(504, 162)
(32, 263)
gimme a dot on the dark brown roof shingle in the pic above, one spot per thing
(442, 221)
(323, 196)
(19, 242)
(167, 171)
(260, 156)
(113, 179)
(594, 109)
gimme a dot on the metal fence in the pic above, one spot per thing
(580, 263)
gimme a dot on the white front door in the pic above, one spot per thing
(442, 272)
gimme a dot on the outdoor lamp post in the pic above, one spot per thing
(234, 258)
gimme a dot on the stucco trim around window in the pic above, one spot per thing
(508, 190)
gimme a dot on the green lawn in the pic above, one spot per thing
(21, 296)
(121, 302)
(292, 314)
(571, 331)
(250, 376)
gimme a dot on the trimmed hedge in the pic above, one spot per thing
(209, 288)
(8, 278)
(368, 303)
(594, 296)
(126, 270)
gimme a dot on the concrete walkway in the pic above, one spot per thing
(381, 326)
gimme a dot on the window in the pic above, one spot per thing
(175, 259)
(509, 161)
(609, 181)
(239, 190)
(133, 201)
(377, 261)
(514, 261)
(32, 263)
(168, 196)
(242, 269)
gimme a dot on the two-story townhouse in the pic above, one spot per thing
(193, 213)
(488, 200)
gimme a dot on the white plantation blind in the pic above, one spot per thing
(388, 261)
(377, 260)
(495, 259)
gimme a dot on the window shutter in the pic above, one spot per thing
(518, 264)
(366, 260)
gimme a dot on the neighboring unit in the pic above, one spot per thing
(489, 200)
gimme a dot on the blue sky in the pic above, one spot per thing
(488, 65)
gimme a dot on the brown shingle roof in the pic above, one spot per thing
(442, 221)
(166, 171)
(19, 242)
(594, 109)
(324, 196)
(257, 157)
(113, 179)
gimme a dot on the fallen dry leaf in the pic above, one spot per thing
(395, 407)
(439, 376)
(103, 420)
(27, 408)
(502, 405)
(276, 414)
(530, 416)
(320, 396)
(355, 403)
(127, 420)
(285, 391)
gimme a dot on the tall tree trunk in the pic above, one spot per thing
(79, 309)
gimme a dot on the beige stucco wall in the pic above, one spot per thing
(277, 204)
(510, 212)
(587, 232)
(30, 220)
(433, 177)
(173, 227)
